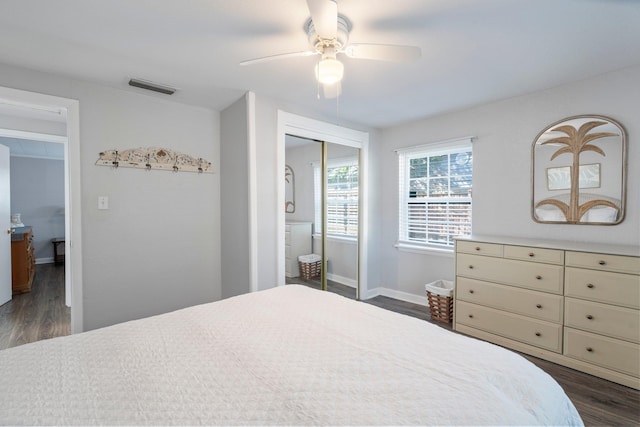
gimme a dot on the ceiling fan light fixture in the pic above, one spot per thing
(329, 71)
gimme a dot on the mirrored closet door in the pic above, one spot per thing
(322, 211)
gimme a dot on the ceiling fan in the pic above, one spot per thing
(328, 34)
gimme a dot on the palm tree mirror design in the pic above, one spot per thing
(579, 172)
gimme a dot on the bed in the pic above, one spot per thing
(285, 356)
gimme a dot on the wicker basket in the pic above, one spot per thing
(441, 307)
(440, 296)
(310, 266)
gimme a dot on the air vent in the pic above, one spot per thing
(145, 84)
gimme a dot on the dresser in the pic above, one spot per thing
(22, 260)
(575, 305)
(297, 242)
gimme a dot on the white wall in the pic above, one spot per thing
(158, 246)
(300, 159)
(37, 193)
(234, 200)
(505, 131)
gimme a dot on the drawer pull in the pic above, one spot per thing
(538, 305)
(602, 262)
(590, 317)
(471, 316)
(470, 291)
(477, 248)
(539, 277)
(590, 285)
(538, 334)
(471, 267)
(531, 254)
(589, 349)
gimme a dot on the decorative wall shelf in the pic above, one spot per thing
(154, 158)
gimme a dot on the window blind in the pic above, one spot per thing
(435, 184)
(342, 197)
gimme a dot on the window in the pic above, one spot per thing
(342, 197)
(435, 193)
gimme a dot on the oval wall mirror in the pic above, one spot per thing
(579, 172)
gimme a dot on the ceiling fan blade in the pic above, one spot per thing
(324, 14)
(332, 91)
(383, 52)
(279, 56)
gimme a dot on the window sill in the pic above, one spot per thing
(348, 240)
(418, 249)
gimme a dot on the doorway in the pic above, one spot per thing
(341, 144)
(26, 103)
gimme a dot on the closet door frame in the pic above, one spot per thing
(315, 129)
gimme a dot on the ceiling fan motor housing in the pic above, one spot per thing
(319, 43)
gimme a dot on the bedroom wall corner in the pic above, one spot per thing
(505, 131)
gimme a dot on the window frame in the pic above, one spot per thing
(317, 190)
(405, 156)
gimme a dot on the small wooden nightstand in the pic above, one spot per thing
(22, 260)
(58, 255)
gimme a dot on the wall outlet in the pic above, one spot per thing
(103, 202)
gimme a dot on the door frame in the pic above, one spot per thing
(6, 288)
(305, 127)
(72, 193)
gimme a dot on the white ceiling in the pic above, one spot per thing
(473, 51)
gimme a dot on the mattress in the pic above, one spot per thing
(285, 356)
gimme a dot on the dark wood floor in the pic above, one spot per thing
(599, 402)
(41, 314)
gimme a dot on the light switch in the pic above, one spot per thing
(103, 202)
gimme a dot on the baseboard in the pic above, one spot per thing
(395, 294)
(48, 260)
(342, 280)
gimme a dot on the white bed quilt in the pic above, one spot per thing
(287, 356)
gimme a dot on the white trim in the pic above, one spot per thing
(418, 249)
(250, 99)
(45, 260)
(314, 129)
(447, 143)
(349, 240)
(352, 283)
(399, 295)
(30, 156)
(73, 195)
(32, 136)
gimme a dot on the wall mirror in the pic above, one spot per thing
(289, 190)
(579, 172)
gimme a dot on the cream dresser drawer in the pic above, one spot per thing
(617, 322)
(617, 263)
(529, 331)
(480, 248)
(540, 305)
(618, 355)
(603, 286)
(536, 276)
(549, 256)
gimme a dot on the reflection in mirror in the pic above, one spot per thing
(342, 206)
(305, 233)
(289, 190)
(300, 153)
(578, 172)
